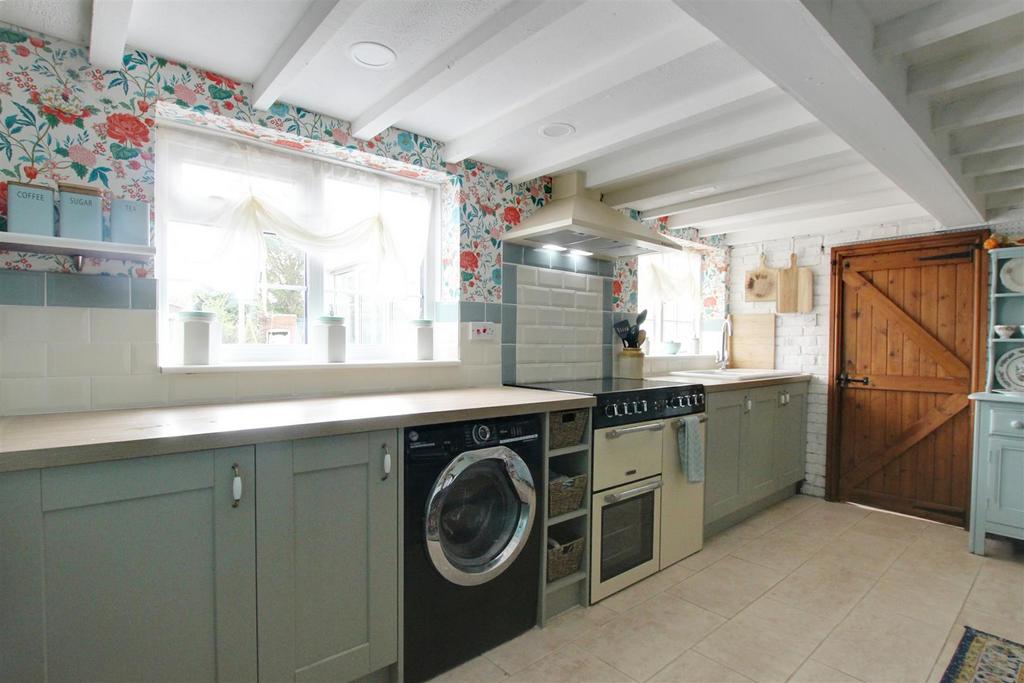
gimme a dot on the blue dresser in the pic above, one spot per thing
(997, 493)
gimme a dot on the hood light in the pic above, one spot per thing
(704, 190)
(553, 247)
(580, 252)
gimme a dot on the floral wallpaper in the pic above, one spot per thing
(63, 120)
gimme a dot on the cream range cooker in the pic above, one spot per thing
(645, 513)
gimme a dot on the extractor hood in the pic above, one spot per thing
(575, 218)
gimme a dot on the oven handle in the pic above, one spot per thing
(653, 427)
(632, 493)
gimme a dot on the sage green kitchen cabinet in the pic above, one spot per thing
(327, 557)
(755, 448)
(129, 570)
(790, 439)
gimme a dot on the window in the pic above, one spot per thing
(669, 288)
(271, 240)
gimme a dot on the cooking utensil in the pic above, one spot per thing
(787, 286)
(622, 329)
(641, 338)
(641, 317)
(634, 331)
(760, 283)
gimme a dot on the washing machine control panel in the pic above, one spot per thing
(452, 439)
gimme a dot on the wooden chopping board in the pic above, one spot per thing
(805, 291)
(752, 344)
(788, 283)
(759, 284)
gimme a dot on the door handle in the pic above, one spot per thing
(236, 486)
(844, 379)
(387, 463)
(632, 493)
(653, 427)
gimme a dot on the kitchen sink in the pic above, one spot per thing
(735, 374)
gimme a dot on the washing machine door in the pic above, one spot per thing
(479, 515)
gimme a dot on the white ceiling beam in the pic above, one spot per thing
(664, 47)
(824, 77)
(109, 32)
(782, 158)
(1005, 215)
(318, 25)
(901, 218)
(993, 162)
(1005, 199)
(989, 137)
(513, 23)
(756, 206)
(868, 200)
(939, 21)
(964, 69)
(997, 182)
(986, 107)
(717, 123)
(796, 182)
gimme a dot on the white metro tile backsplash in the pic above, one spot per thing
(559, 325)
(55, 359)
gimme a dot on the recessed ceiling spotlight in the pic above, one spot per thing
(372, 55)
(704, 190)
(556, 130)
(553, 247)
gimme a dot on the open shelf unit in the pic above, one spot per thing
(1006, 307)
(77, 249)
(572, 590)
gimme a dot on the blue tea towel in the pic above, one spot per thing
(691, 447)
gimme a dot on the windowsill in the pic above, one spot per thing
(678, 355)
(302, 365)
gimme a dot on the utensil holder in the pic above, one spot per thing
(631, 364)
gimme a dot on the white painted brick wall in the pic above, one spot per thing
(802, 340)
(558, 325)
(70, 359)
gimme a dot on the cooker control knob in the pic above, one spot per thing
(615, 408)
(481, 433)
(700, 399)
(636, 407)
(643, 404)
(609, 410)
(689, 400)
(625, 407)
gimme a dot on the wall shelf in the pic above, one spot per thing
(77, 249)
(567, 516)
(578, 448)
(561, 583)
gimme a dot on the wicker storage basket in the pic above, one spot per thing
(564, 558)
(565, 493)
(567, 428)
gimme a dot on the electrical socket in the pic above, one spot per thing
(481, 331)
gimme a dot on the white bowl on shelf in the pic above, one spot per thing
(1004, 331)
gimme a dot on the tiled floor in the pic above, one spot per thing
(805, 591)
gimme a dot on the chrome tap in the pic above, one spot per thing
(722, 357)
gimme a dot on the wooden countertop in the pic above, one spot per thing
(36, 441)
(713, 385)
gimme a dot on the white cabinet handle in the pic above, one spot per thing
(1017, 424)
(236, 486)
(749, 404)
(387, 463)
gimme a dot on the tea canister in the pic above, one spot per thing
(129, 222)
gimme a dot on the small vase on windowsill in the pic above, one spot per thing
(631, 364)
(424, 339)
(329, 339)
(200, 337)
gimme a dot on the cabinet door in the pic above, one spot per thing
(130, 570)
(1005, 488)
(757, 457)
(726, 414)
(790, 435)
(327, 549)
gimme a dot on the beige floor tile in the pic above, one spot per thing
(891, 525)
(995, 593)
(816, 672)
(693, 667)
(944, 534)
(779, 549)
(882, 646)
(728, 585)
(920, 596)
(798, 629)
(866, 553)
(530, 647)
(946, 654)
(678, 572)
(1011, 629)
(825, 522)
(925, 556)
(569, 664)
(629, 598)
(752, 650)
(479, 670)
(823, 587)
(715, 548)
(646, 638)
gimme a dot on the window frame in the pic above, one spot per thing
(691, 344)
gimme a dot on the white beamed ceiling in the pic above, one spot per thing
(699, 110)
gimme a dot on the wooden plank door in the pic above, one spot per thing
(327, 556)
(905, 353)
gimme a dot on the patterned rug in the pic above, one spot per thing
(984, 658)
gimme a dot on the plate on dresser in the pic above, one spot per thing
(1012, 275)
(1009, 370)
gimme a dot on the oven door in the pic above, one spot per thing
(627, 453)
(625, 536)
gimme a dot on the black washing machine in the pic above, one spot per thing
(473, 497)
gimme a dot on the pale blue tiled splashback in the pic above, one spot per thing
(23, 288)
